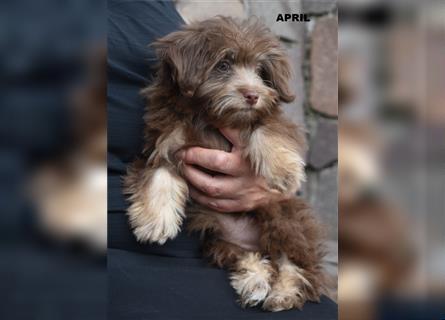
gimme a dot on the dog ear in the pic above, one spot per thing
(184, 55)
(279, 72)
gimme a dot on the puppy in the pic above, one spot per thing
(227, 73)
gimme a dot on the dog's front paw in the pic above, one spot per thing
(156, 213)
(276, 158)
(289, 183)
(251, 280)
(158, 231)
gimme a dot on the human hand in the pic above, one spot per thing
(237, 189)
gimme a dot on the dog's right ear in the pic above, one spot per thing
(184, 55)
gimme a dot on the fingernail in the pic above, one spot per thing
(213, 204)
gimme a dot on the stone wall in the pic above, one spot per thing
(321, 114)
(320, 107)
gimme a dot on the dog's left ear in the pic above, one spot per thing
(279, 72)
(184, 54)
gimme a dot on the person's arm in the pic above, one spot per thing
(239, 189)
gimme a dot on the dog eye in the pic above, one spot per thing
(223, 66)
(264, 75)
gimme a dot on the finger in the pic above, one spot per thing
(221, 205)
(215, 160)
(233, 135)
(217, 187)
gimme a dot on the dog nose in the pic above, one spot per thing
(251, 97)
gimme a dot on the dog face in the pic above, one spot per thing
(235, 72)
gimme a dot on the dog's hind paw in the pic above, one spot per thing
(289, 288)
(252, 279)
(279, 301)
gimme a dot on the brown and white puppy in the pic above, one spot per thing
(227, 73)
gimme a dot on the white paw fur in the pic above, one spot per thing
(157, 214)
(287, 290)
(277, 160)
(251, 280)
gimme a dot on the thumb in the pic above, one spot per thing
(233, 135)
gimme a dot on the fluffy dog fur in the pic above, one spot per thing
(204, 73)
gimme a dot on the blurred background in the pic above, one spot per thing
(52, 159)
(392, 159)
(390, 121)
